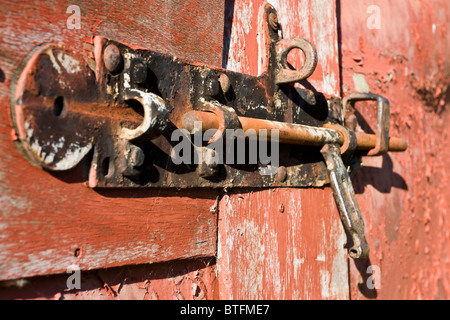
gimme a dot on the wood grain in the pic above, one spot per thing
(281, 244)
(51, 221)
(191, 279)
(297, 254)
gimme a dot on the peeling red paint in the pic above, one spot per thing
(403, 196)
(298, 253)
(264, 251)
(44, 216)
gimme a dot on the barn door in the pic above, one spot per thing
(283, 243)
(162, 241)
(167, 243)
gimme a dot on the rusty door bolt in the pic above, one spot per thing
(273, 21)
(113, 59)
(224, 83)
(138, 72)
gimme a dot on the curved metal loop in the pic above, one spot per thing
(350, 142)
(286, 75)
(156, 115)
(383, 114)
(226, 116)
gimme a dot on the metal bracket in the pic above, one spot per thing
(103, 104)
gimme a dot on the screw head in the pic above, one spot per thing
(224, 82)
(138, 72)
(210, 83)
(113, 59)
(137, 157)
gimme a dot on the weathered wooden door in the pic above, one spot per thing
(283, 243)
(51, 223)
(232, 243)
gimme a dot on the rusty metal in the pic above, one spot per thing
(368, 141)
(112, 59)
(383, 114)
(350, 142)
(290, 133)
(115, 116)
(227, 119)
(344, 196)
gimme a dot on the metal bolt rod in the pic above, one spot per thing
(291, 133)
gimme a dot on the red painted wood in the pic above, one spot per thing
(281, 244)
(298, 254)
(192, 279)
(274, 244)
(404, 197)
(45, 218)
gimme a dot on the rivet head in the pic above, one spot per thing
(133, 161)
(137, 157)
(138, 72)
(210, 83)
(273, 20)
(281, 174)
(113, 59)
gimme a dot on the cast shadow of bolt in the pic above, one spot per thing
(382, 179)
(362, 266)
(228, 23)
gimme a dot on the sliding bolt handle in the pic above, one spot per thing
(344, 196)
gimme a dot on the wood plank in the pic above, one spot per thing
(192, 279)
(298, 254)
(44, 230)
(281, 244)
(45, 218)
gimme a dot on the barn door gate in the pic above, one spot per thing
(223, 162)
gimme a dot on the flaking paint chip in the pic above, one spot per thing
(361, 85)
